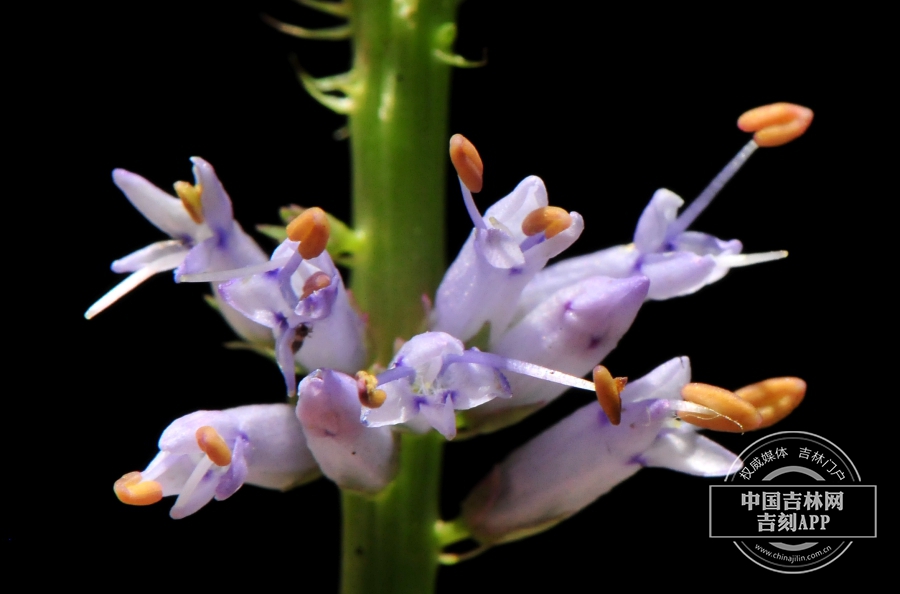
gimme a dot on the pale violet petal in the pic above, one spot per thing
(258, 298)
(337, 341)
(676, 273)
(217, 209)
(278, 456)
(149, 254)
(352, 455)
(652, 227)
(689, 452)
(572, 331)
(165, 212)
(234, 477)
(180, 436)
(663, 383)
(617, 262)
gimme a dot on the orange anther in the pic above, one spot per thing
(369, 394)
(190, 199)
(212, 444)
(312, 230)
(774, 398)
(776, 124)
(733, 415)
(131, 490)
(551, 220)
(467, 161)
(608, 389)
(317, 281)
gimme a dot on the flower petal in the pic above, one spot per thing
(165, 212)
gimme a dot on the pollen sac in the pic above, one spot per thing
(190, 199)
(608, 389)
(369, 394)
(776, 124)
(132, 490)
(316, 281)
(212, 444)
(312, 230)
(728, 413)
(549, 220)
(467, 162)
(774, 398)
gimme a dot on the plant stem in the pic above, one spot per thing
(399, 133)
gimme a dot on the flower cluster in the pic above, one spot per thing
(538, 329)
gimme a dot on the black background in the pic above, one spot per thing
(604, 105)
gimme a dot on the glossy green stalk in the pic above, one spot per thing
(398, 119)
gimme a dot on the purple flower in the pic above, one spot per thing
(570, 465)
(210, 454)
(306, 306)
(204, 238)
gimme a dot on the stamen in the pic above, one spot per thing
(733, 415)
(212, 444)
(317, 281)
(131, 490)
(190, 199)
(738, 260)
(690, 214)
(776, 124)
(608, 391)
(521, 367)
(369, 394)
(551, 220)
(312, 230)
(467, 162)
(774, 398)
(395, 373)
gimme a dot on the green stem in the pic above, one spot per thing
(399, 135)
(398, 114)
(389, 543)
